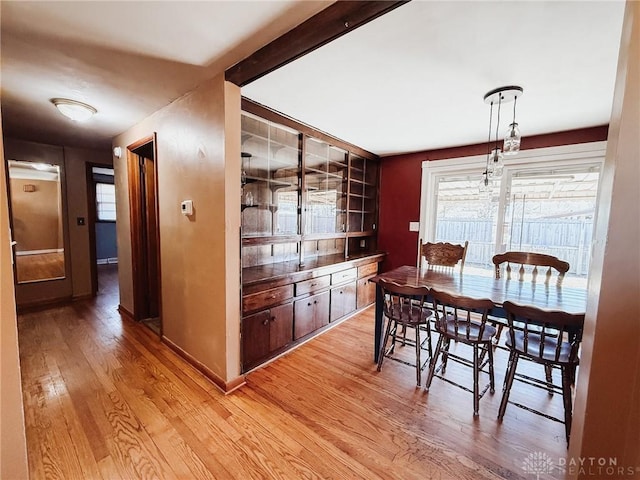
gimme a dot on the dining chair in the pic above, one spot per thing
(442, 255)
(526, 264)
(463, 320)
(403, 306)
(551, 338)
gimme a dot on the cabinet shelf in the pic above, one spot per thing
(317, 171)
(274, 145)
(363, 182)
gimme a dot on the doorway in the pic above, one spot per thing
(145, 237)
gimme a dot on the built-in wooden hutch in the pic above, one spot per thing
(309, 232)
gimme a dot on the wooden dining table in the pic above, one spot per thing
(548, 297)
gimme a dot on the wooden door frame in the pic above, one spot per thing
(135, 205)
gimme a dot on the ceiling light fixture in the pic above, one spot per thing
(76, 111)
(495, 155)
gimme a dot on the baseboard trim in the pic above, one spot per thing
(125, 313)
(224, 386)
(43, 304)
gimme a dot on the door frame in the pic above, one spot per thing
(136, 227)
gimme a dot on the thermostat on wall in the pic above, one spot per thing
(187, 207)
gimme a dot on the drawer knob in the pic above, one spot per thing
(313, 284)
(272, 296)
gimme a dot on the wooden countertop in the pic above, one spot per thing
(288, 272)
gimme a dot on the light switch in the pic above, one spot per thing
(187, 207)
(414, 226)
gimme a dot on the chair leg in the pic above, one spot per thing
(383, 346)
(508, 381)
(566, 398)
(492, 382)
(445, 354)
(432, 363)
(418, 364)
(548, 373)
(476, 379)
(496, 338)
(429, 339)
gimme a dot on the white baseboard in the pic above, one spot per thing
(39, 252)
(107, 261)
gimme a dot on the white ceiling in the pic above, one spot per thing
(410, 80)
(414, 79)
(127, 59)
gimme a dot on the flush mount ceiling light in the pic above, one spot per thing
(76, 111)
(495, 158)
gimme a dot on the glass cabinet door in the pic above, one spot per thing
(325, 176)
(362, 194)
(270, 177)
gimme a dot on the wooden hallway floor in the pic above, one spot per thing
(105, 399)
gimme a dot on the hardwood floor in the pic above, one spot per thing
(105, 399)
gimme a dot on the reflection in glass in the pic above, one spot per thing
(36, 208)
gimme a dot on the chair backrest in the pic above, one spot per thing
(404, 303)
(534, 260)
(468, 316)
(443, 255)
(546, 334)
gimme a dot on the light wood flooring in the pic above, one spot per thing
(105, 399)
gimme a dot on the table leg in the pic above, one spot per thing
(378, 324)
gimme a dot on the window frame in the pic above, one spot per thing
(583, 154)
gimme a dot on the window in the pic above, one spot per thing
(544, 202)
(105, 202)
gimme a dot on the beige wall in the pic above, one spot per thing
(13, 447)
(73, 162)
(36, 215)
(607, 407)
(198, 142)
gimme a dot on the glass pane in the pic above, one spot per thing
(552, 212)
(325, 176)
(270, 178)
(105, 201)
(463, 214)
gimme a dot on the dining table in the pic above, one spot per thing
(498, 290)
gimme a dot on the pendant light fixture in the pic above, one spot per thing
(495, 155)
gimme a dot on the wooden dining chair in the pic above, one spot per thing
(463, 320)
(550, 338)
(442, 255)
(403, 306)
(526, 264)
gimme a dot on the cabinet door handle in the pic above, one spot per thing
(313, 284)
(273, 319)
(315, 301)
(266, 322)
(309, 304)
(272, 296)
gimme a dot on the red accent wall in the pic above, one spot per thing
(400, 182)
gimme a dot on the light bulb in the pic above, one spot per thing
(512, 140)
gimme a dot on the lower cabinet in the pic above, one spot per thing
(280, 312)
(366, 292)
(311, 313)
(265, 332)
(343, 300)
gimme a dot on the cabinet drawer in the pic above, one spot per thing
(344, 276)
(267, 298)
(313, 285)
(366, 270)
